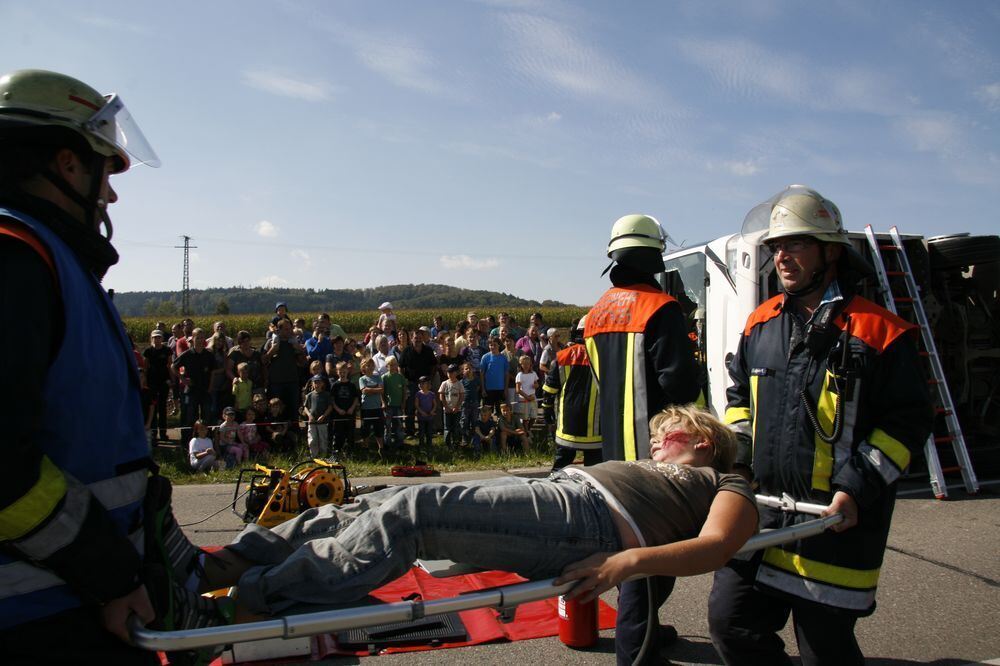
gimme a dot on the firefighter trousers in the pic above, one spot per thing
(744, 623)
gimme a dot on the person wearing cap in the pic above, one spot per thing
(637, 345)
(158, 357)
(316, 408)
(387, 320)
(67, 451)
(452, 395)
(828, 404)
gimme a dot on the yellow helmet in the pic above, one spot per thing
(637, 231)
(33, 100)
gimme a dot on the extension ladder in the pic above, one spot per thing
(945, 407)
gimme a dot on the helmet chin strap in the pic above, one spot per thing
(93, 206)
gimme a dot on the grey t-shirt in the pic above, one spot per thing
(318, 402)
(667, 502)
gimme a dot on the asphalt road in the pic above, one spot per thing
(938, 600)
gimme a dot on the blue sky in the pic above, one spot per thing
(492, 144)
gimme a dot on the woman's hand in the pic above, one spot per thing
(596, 574)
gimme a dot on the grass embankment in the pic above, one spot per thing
(361, 462)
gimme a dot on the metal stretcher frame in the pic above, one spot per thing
(503, 599)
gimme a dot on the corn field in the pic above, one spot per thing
(354, 323)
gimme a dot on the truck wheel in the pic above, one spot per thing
(962, 250)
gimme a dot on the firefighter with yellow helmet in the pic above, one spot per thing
(71, 508)
(638, 347)
(829, 404)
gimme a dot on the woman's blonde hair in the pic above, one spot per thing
(696, 421)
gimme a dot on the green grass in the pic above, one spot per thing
(362, 462)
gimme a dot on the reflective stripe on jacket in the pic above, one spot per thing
(92, 438)
(864, 365)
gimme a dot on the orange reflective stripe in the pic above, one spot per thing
(766, 311)
(874, 325)
(13, 229)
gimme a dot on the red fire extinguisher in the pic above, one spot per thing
(578, 622)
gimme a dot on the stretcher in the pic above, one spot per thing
(504, 600)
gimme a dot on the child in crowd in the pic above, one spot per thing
(484, 431)
(472, 353)
(426, 410)
(372, 391)
(512, 354)
(510, 429)
(277, 429)
(452, 396)
(470, 405)
(201, 451)
(539, 528)
(495, 371)
(387, 320)
(346, 398)
(250, 437)
(394, 385)
(317, 408)
(242, 388)
(228, 435)
(525, 384)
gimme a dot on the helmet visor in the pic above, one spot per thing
(757, 222)
(114, 124)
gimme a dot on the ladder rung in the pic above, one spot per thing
(887, 247)
(902, 299)
(933, 382)
(949, 470)
(942, 440)
(895, 273)
(942, 411)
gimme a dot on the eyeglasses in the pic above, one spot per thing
(793, 246)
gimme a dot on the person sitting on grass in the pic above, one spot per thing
(201, 450)
(510, 429)
(250, 437)
(593, 526)
(484, 431)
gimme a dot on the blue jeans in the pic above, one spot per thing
(470, 414)
(451, 429)
(394, 426)
(340, 554)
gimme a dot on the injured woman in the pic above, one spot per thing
(679, 513)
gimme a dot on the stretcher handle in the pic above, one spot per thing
(310, 624)
(788, 503)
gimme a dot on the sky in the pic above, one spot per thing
(492, 144)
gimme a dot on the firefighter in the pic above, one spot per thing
(75, 450)
(829, 403)
(571, 388)
(638, 347)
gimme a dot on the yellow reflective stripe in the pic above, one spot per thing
(32, 508)
(700, 401)
(826, 408)
(628, 415)
(890, 446)
(592, 410)
(582, 439)
(592, 354)
(736, 414)
(549, 389)
(859, 579)
(753, 410)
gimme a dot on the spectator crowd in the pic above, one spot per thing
(477, 381)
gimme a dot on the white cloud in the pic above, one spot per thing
(737, 167)
(404, 65)
(465, 262)
(271, 281)
(266, 229)
(303, 258)
(989, 95)
(286, 86)
(749, 70)
(553, 117)
(114, 24)
(933, 133)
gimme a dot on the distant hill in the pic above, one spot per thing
(239, 300)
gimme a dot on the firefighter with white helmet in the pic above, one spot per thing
(829, 404)
(71, 527)
(637, 345)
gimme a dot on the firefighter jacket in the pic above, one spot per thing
(578, 413)
(73, 534)
(643, 360)
(854, 363)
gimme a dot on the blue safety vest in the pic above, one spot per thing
(93, 428)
